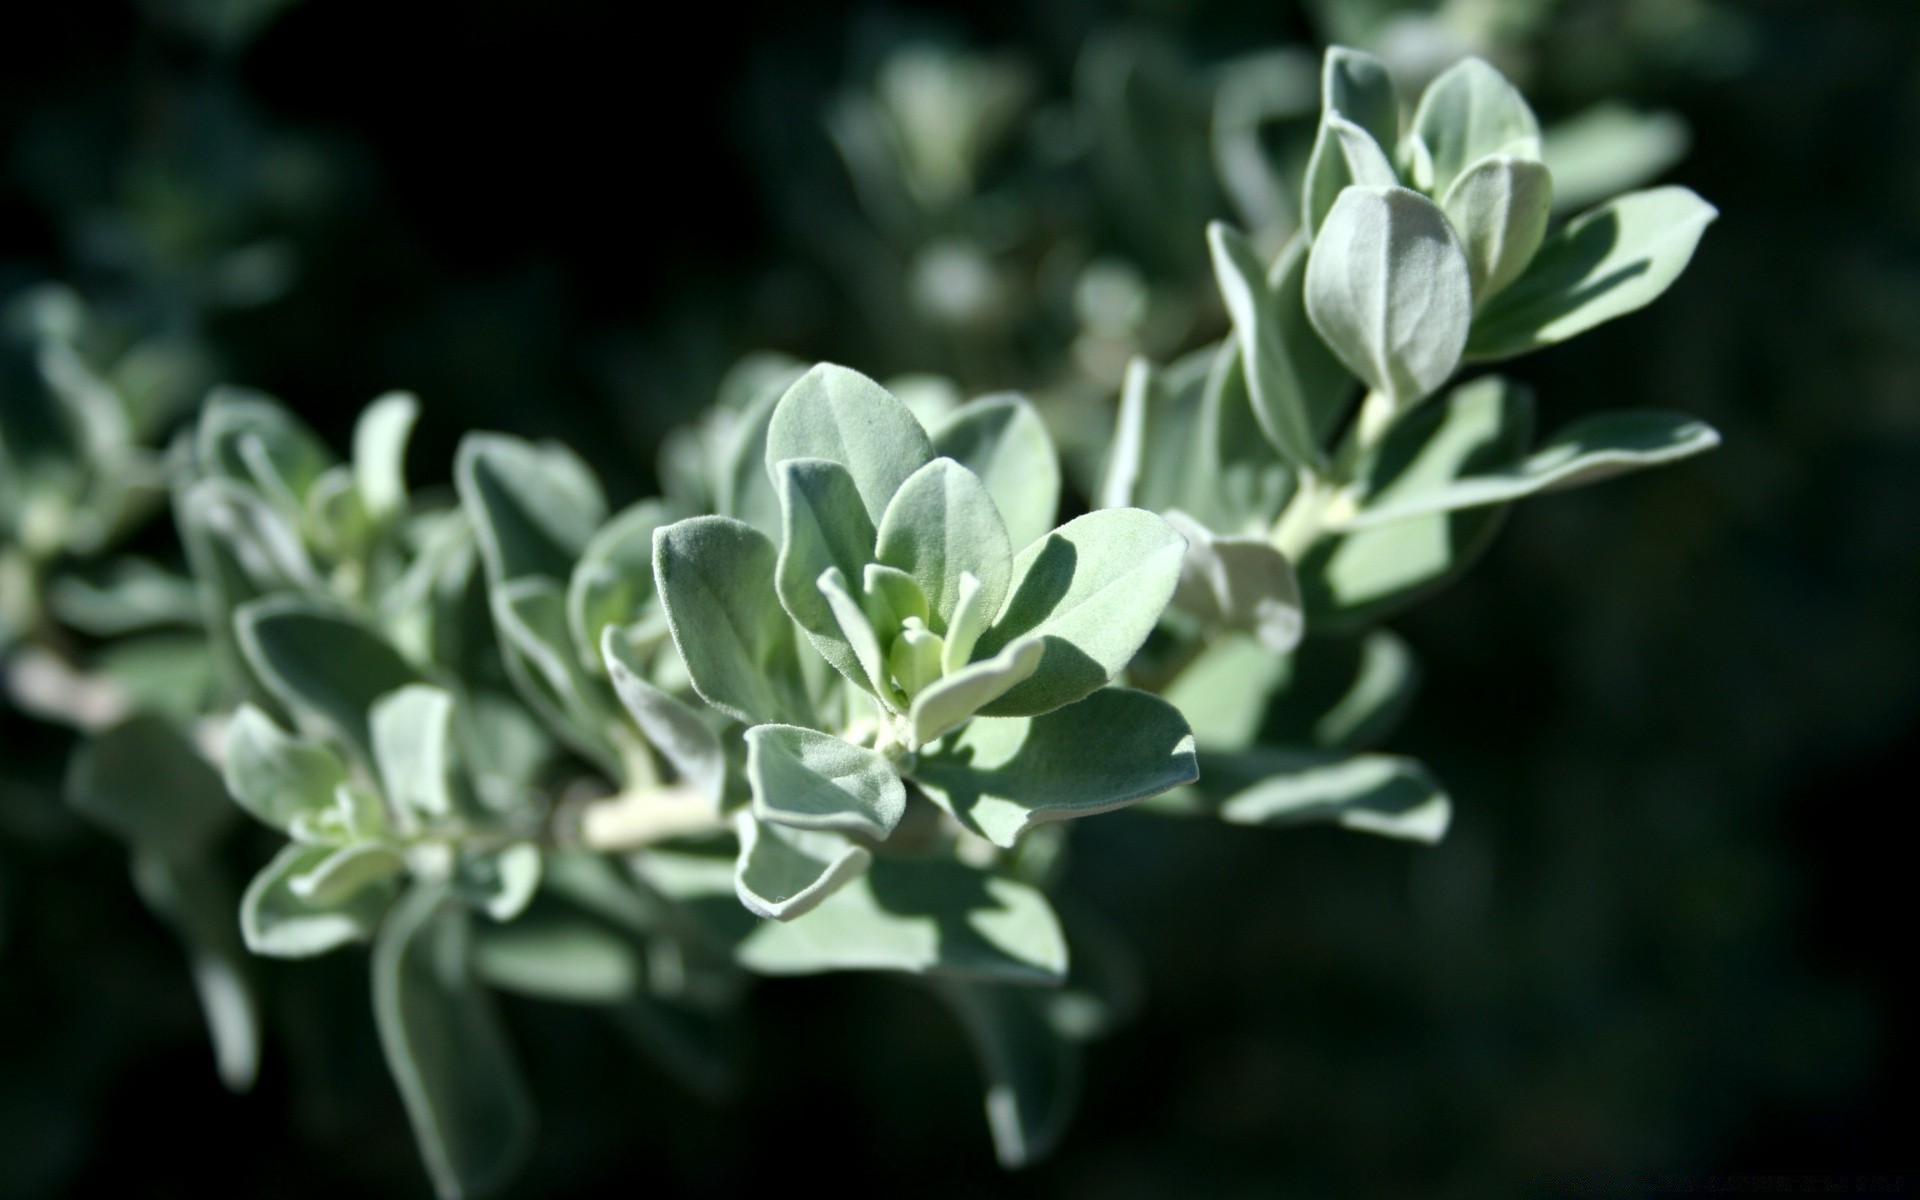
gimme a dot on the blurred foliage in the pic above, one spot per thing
(1651, 942)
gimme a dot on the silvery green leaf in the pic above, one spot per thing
(1238, 583)
(1093, 589)
(1159, 410)
(941, 524)
(1387, 287)
(823, 524)
(1594, 448)
(857, 634)
(565, 959)
(125, 595)
(276, 776)
(785, 873)
(412, 732)
(380, 453)
(446, 1049)
(1273, 379)
(811, 780)
(500, 883)
(1032, 1072)
(1607, 263)
(278, 921)
(194, 897)
(670, 726)
(1499, 206)
(1467, 113)
(1352, 580)
(248, 437)
(1355, 86)
(969, 621)
(1370, 793)
(892, 597)
(1000, 777)
(1607, 149)
(537, 649)
(325, 666)
(612, 584)
(534, 507)
(716, 579)
(922, 916)
(144, 781)
(1223, 692)
(259, 546)
(1002, 439)
(838, 414)
(948, 703)
(345, 872)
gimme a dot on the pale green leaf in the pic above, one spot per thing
(1387, 286)
(941, 524)
(380, 454)
(534, 507)
(1093, 589)
(1469, 112)
(1604, 264)
(446, 1050)
(412, 732)
(943, 706)
(1499, 206)
(1369, 793)
(1595, 448)
(922, 916)
(716, 579)
(1223, 692)
(1273, 379)
(786, 873)
(838, 414)
(670, 726)
(612, 584)
(565, 959)
(1000, 777)
(194, 896)
(811, 780)
(277, 920)
(501, 882)
(276, 776)
(325, 666)
(1032, 1071)
(823, 524)
(1002, 439)
(1238, 583)
(1607, 149)
(1356, 86)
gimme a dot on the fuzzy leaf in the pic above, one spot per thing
(1001, 777)
(823, 524)
(670, 726)
(565, 959)
(922, 916)
(1388, 288)
(412, 732)
(1238, 583)
(1003, 440)
(811, 780)
(1356, 86)
(326, 667)
(841, 415)
(534, 507)
(1273, 374)
(941, 524)
(1093, 589)
(785, 873)
(715, 576)
(943, 706)
(380, 454)
(1469, 112)
(282, 916)
(612, 584)
(1499, 206)
(1369, 793)
(1605, 264)
(446, 1050)
(276, 776)
(1596, 448)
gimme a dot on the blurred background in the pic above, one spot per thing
(1677, 713)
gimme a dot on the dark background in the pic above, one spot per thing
(1671, 931)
